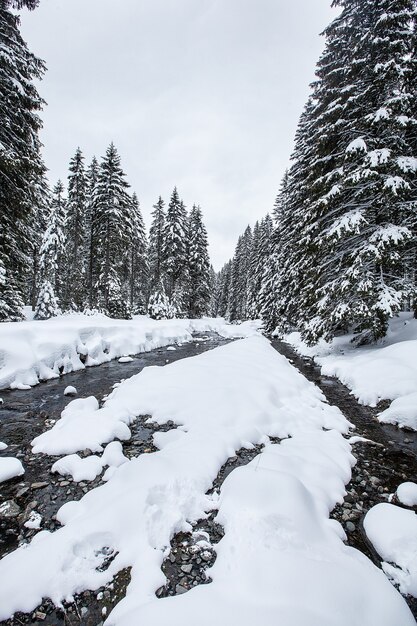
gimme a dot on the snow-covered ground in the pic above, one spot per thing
(385, 371)
(31, 351)
(282, 560)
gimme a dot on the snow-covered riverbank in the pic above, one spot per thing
(385, 371)
(32, 351)
(281, 558)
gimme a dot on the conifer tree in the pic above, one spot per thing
(52, 251)
(111, 234)
(75, 228)
(89, 243)
(240, 277)
(156, 244)
(47, 304)
(199, 265)
(175, 253)
(139, 267)
(223, 291)
(21, 166)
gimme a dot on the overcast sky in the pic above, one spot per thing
(202, 94)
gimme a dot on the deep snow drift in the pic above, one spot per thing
(385, 371)
(281, 560)
(38, 350)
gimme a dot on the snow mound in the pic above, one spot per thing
(88, 468)
(407, 493)
(10, 468)
(125, 359)
(393, 533)
(3, 446)
(70, 391)
(31, 351)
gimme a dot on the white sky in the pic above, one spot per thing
(202, 94)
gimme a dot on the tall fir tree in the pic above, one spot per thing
(21, 167)
(52, 252)
(111, 232)
(175, 253)
(238, 302)
(75, 292)
(199, 265)
(91, 260)
(157, 244)
(139, 265)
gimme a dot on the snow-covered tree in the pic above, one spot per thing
(111, 233)
(52, 251)
(91, 262)
(175, 251)
(156, 243)
(21, 166)
(199, 265)
(240, 276)
(159, 306)
(138, 258)
(47, 304)
(11, 304)
(75, 229)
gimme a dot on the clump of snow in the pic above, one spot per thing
(3, 446)
(393, 533)
(34, 522)
(88, 468)
(357, 145)
(70, 391)
(125, 359)
(40, 350)
(10, 467)
(171, 348)
(407, 494)
(385, 371)
(281, 560)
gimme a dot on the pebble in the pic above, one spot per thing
(180, 589)
(40, 485)
(187, 568)
(9, 509)
(39, 615)
(350, 527)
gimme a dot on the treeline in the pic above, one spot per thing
(95, 253)
(343, 249)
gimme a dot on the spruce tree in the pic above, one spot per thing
(75, 228)
(21, 166)
(111, 233)
(138, 257)
(91, 260)
(156, 244)
(199, 266)
(175, 253)
(240, 277)
(47, 304)
(52, 251)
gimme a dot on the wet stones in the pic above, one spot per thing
(9, 510)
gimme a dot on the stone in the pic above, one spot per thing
(187, 568)
(350, 527)
(180, 589)
(9, 509)
(22, 491)
(39, 615)
(40, 485)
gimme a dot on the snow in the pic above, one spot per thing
(88, 468)
(356, 145)
(393, 533)
(34, 521)
(32, 351)
(407, 164)
(3, 446)
(281, 560)
(70, 391)
(125, 359)
(10, 468)
(407, 493)
(384, 371)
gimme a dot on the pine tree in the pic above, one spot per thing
(240, 277)
(52, 251)
(223, 290)
(21, 166)
(159, 306)
(139, 267)
(11, 304)
(111, 233)
(156, 243)
(47, 304)
(175, 253)
(89, 243)
(199, 265)
(75, 228)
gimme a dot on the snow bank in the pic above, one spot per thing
(10, 467)
(31, 351)
(280, 558)
(88, 468)
(386, 371)
(393, 533)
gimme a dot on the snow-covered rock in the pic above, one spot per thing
(393, 532)
(407, 493)
(70, 391)
(10, 468)
(125, 359)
